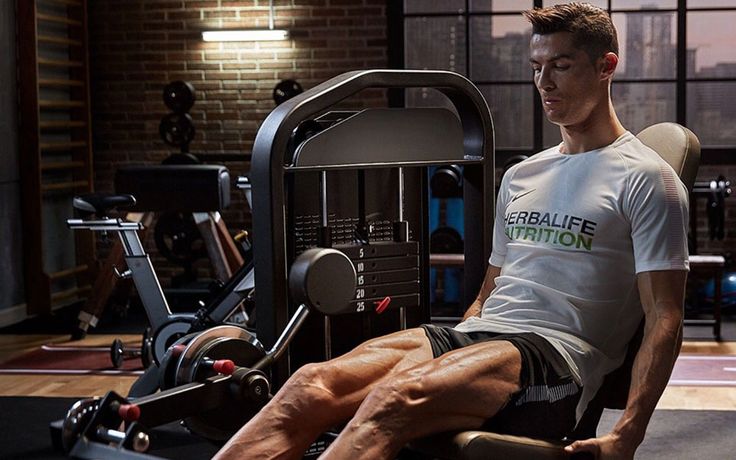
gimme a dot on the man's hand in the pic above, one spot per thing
(662, 295)
(608, 447)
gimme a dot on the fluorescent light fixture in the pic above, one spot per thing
(247, 35)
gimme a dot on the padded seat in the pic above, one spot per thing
(175, 188)
(679, 147)
(468, 445)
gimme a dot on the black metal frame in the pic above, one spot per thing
(272, 165)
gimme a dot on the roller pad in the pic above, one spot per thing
(184, 188)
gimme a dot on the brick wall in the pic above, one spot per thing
(137, 46)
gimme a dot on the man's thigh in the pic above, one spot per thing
(459, 390)
(544, 403)
(375, 360)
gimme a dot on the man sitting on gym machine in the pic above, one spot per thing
(588, 235)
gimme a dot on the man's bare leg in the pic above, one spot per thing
(459, 390)
(320, 396)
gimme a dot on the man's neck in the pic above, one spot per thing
(599, 130)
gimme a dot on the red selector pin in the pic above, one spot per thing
(382, 305)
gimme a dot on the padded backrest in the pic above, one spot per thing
(680, 148)
(677, 145)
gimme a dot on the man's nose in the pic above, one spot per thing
(544, 80)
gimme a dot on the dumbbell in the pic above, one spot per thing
(446, 240)
(119, 352)
(447, 182)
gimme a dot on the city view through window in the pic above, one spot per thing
(488, 41)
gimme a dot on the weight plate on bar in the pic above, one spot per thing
(178, 239)
(221, 423)
(188, 359)
(177, 129)
(179, 96)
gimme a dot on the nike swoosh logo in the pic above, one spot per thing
(519, 195)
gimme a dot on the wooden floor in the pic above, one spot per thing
(12, 346)
(674, 397)
(702, 397)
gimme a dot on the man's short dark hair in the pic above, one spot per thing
(591, 27)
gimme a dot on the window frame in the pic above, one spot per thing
(710, 155)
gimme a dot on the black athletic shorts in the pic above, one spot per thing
(545, 405)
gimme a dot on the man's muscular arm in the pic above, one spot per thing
(662, 296)
(489, 284)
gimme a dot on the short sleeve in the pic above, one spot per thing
(500, 239)
(658, 212)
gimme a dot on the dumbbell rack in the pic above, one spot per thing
(384, 154)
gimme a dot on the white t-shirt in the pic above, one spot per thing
(571, 233)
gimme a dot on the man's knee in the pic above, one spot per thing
(397, 395)
(311, 384)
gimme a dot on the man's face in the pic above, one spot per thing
(569, 84)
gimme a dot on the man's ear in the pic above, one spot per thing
(609, 63)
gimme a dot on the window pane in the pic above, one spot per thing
(499, 48)
(711, 53)
(434, 6)
(647, 45)
(639, 5)
(709, 3)
(639, 105)
(600, 3)
(435, 43)
(711, 111)
(512, 108)
(484, 6)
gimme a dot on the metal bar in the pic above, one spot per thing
(58, 19)
(323, 194)
(58, 41)
(131, 243)
(328, 338)
(270, 14)
(64, 186)
(60, 165)
(55, 296)
(46, 146)
(401, 193)
(64, 2)
(51, 104)
(402, 310)
(68, 272)
(284, 339)
(149, 289)
(105, 225)
(681, 85)
(59, 63)
(184, 400)
(59, 82)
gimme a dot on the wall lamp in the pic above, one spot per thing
(248, 34)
